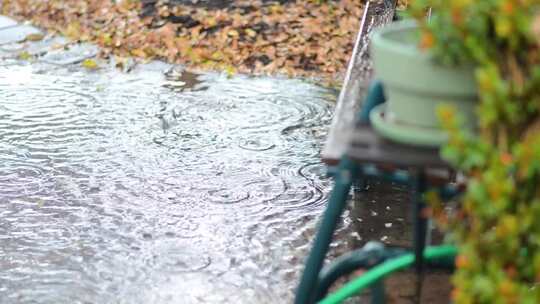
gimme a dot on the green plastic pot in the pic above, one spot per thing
(416, 85)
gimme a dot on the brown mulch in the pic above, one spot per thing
(297, 38)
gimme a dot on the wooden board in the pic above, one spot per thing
(357, 79)
(368, 147)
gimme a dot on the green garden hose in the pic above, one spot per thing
(379, 272)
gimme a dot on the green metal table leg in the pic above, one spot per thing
(347, 174)
(378, 293)
(369, 256)
(420, 228)
(374, 97)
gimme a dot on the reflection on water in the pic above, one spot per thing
(175, 188)
(145, 188)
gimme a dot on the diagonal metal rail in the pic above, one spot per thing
(357, 78)
(358, 71)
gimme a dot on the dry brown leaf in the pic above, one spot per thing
(295, 36)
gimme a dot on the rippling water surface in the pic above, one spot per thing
(146, 188)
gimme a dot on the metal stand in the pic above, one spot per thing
(344, 179)
(367, 152)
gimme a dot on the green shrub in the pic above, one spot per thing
(497, 226)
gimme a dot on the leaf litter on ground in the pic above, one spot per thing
(305, 38)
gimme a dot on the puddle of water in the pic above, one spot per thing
(166, 188)
(145, 188)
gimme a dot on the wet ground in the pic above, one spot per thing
(163, 186)
(116, 187)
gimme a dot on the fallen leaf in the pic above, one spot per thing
(233, 33)
(24, 55)
(251, 33)
(35, 37)
(73, 30)
(230, 70)
(90, 64)
(138, 53)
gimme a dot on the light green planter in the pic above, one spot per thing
(415, 85)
